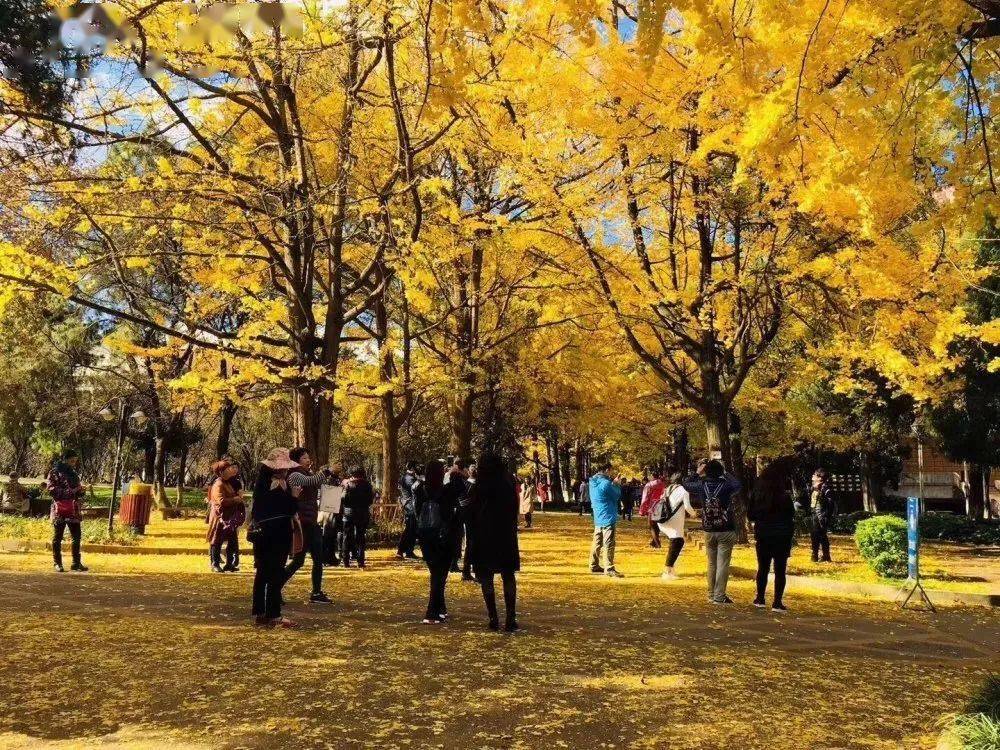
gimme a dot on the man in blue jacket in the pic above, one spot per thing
(604, 497)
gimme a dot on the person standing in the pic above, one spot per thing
(823, 509)
(457, 479)
(305, 485)
(63, 484)
(669, 514)
(436, 506)
(652, 493)
(529, 494)
(226, 515)
(604, 498)
(543, 492)
(271, 521)
(714, 493)
(493, 508)
(772, 510)
(358, 499)
(584, 495)
(629, 489)
(407, 504)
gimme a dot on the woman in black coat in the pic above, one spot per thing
(271, 523)
(493, 509)
(772, 511)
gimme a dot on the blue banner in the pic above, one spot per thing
(913, 537)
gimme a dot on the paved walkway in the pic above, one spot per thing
(147, 652)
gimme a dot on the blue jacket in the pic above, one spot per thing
(604, 496)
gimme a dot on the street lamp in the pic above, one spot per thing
(140, 418)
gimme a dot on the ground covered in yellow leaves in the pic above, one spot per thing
(153, 651)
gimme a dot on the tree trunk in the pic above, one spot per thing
(567, 473)
(226, 417)
(181, 471)
(681, 460)
(461, 422)
(872, 492)
(555, 474)
(580, 470)
(977, 498)
(312, 421)
(159, 472)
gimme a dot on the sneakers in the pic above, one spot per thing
(283, 622)
(511, 626)
(493, 625)
(669, 575)
(79, 567)
(778, 607)
(596, 569)
(432, 621)
(723, 600)
(216, 568)
(759, 604)
(58, 568)
(319, 597)
(612, 573)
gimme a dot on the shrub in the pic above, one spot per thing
(846, 523)
(973, 732)
(40, 530)
(946, 526)
(881, 540)
(986, 700)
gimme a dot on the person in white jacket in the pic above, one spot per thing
(670, 514)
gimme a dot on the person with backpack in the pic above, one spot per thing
(652, 493)
(668, 513)
(605, 495)
(436, 506)
(823, 507)
(405, 550)
(358, 499)
(493, 510)
(67, 492)
(713, 494)
(772, 510)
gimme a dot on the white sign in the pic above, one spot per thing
(330, 498)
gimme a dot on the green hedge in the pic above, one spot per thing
(881, 540)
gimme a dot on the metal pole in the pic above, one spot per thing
(920, 470)
(117, 472)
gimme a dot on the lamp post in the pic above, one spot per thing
(139, 417)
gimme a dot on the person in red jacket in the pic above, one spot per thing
(63, 484)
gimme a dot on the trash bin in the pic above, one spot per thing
(135, 511)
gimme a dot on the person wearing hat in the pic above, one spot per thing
(271, 521)
(226, 513)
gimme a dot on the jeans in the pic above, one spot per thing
(490, 594)
(352, 540)
(231, 538)
(777, 550)
(408, 539)
(312, 544)
(676, 545)
(331, 539)
(604, 536)
(269, 555)
(439, 558)
(719, 549)
(58, 529)
(820, 536)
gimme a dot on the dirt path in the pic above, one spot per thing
(156, 653)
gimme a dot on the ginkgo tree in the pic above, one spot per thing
(761, 173)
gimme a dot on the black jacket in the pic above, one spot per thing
(823, 505)
(492, 514)
(406, 498)
(698, 486)
(772, 519)
(358, 497)
(273, 509)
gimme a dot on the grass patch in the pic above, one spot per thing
(40, 530)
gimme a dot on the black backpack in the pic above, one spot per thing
(714, 515)
(661, 512)
(430, 519)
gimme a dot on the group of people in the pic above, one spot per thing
(479, 504)
(709, 492)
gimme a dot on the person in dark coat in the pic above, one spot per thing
(271, 518)
(407, 503)
(493, 514)
(823, 510)
(67, 492)
(358, 499)
(772, 511)
(436, 506)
